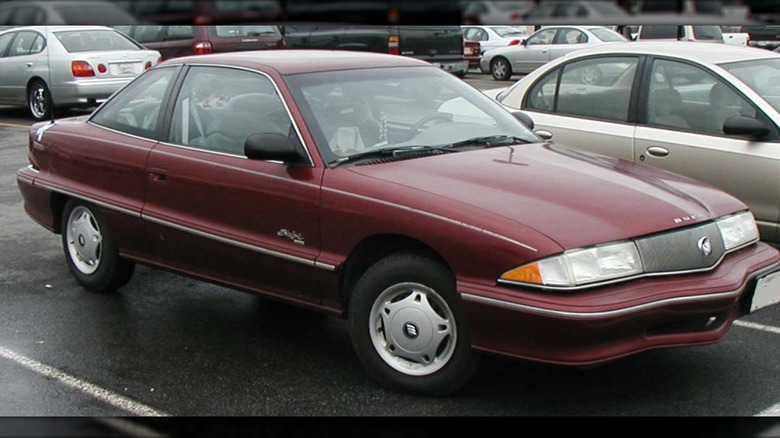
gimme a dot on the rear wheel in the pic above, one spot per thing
(407, 326)
(39, 100)
(91, 251)
(500, 69)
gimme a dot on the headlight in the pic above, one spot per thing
(738, 229)
(581, 266)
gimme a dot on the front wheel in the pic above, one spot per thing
(408, 329)
(91, 251)
(500, 69)
(39, 101)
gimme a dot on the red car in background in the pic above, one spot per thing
(383, 190)
(472, 53)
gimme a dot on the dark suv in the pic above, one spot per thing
(441, 45)
(174, 41)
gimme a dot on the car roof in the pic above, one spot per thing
(58, 28)
(291, 61)
(700, 52)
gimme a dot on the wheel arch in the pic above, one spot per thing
(57, 203)
(372, 249)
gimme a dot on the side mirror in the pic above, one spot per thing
(524, 118)
(271, 147)
(745, 126)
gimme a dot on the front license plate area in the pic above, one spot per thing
(767, 292)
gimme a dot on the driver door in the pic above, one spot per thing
(246, 223)
(536, 53)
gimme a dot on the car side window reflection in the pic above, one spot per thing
(136, 110)
(218, 108)
(594, 88)
(682, 96)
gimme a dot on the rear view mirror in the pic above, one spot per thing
(524, 118)
(271, 147)
(745, 127)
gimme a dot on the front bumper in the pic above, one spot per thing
(607, 323)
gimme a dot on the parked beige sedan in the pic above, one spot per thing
(710, 114)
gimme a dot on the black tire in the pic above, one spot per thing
(501, 69)
(90, 249)
(411, 293)
(39, 101)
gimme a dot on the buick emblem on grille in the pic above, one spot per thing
(705, 246)
(410, 330)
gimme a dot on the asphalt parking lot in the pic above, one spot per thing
(167, 345)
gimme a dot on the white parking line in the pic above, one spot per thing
(99, 393)
(762, 327)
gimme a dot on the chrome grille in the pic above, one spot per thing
(679, 250)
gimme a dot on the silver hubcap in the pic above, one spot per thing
(38, 101)
(413, 329)
(84, 240)
(499, 69)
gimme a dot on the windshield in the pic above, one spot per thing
(762, 75)
(358, 111)
(508, 31)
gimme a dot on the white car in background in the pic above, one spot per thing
(543, 46)
(45, 67)
(491, 37)
(710, 112)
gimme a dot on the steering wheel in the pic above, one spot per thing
(429, 118)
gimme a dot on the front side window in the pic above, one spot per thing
(571, 36)
(136, 109)
(597, 88)
(543, 37)
(218, 108)
(541, 97)
(25, 44)
(686, 97)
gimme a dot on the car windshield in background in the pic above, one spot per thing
(707, 32)
(763, 76)
(607, 35)
(107, 14)
(372, 110)
(246, 31)
(95, 40)
(507, 31)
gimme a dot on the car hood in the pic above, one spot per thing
(573, 197)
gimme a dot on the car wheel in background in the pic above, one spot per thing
(90, 249)
(39, 100)
(500, 69)
(407, 326)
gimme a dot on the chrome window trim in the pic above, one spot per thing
(139, 215)
(622, 279)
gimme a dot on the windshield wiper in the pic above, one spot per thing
(490, 140)
(385, 152)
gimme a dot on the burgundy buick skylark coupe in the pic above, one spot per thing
(383, 190)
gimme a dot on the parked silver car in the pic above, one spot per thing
(713, 115)
(67, 66)
(542, 46)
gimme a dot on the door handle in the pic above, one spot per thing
(158, 176)
(29, 64)
(657, 151)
